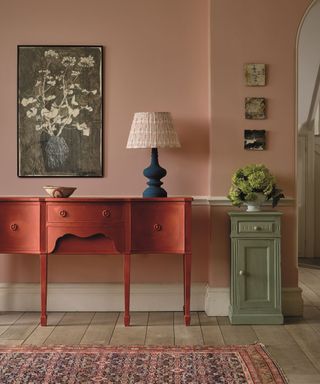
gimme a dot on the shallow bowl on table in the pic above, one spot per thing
(58, 191)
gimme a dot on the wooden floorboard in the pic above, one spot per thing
(160, 330)
(295, 345)
(20, 330)
(40, 334)
(70, 329)
(134, 334)
(101, 328)
(308, 341)
(7, 319)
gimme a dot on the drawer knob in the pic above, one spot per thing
(63, 213)
(242, 273)
(157, 227)
(106, 213)
(14, 227)
(257, 228)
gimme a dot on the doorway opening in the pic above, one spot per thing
(308, 143)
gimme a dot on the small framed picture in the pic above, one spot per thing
(255, 108)
(255, 75)
(255, 140)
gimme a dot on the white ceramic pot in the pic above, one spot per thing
(255, 205)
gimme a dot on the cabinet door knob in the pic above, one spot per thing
(106, 213)
(242, 273)
(157, 227)
(63, 213)
(14, 227)
(257, 228)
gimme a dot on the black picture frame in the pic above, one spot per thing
(60, 111)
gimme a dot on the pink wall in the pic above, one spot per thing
(156, 59)
(251, 31)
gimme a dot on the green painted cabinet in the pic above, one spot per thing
(255, 296)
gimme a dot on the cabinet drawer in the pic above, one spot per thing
(19, 227)
(158, 227)
(256, 227)
(78, 212)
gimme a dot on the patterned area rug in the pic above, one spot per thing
(230, 364)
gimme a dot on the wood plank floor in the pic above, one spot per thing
(294, 345)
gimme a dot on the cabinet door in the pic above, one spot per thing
(158, 227)
(257, 272)
(19, 227)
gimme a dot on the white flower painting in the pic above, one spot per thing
(60, 110)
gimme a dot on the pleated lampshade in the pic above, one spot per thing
(152, 130)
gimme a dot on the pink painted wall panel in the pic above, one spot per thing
(156, 59)
(252, 31)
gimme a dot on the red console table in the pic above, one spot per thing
(124, 226)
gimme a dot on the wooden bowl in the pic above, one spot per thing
(58, 191)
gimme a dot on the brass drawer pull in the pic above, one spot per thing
(257, 228)
(106, 213)
(63, 213)
(157, 227)
(242, 273)
(14, 227)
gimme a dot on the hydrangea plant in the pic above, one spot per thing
(250, 180)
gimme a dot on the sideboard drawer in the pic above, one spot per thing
(19, 227)
(81, 212)
(158, 227)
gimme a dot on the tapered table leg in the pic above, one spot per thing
(127, 289)
(43, 283)
(187, 285)
(184, 291)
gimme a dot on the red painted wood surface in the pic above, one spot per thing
(98, 225)
(20, 227)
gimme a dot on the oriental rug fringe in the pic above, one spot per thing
(138, 364)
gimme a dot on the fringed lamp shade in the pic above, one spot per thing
(153, 130)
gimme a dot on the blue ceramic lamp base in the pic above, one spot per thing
(154, 173)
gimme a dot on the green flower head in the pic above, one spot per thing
(250, 180)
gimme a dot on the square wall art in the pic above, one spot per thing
(255, 75)
(59, 111)
(255, 139)
(255, 108)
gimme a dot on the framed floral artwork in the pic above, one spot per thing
(60, 114)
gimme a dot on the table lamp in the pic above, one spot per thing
(153, 130)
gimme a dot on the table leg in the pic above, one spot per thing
(127, 289)
(43, 282)
(187, 285)
(184, 291)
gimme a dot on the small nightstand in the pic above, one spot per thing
(255, 296)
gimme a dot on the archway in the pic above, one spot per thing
(308, 131)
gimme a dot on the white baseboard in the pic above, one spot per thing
(99, 297)
(217, 301)
(292, 303)
(144, 297)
